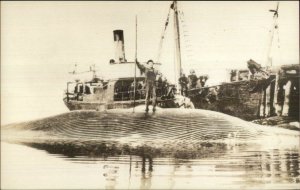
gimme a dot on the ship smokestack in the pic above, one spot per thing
(119, 46)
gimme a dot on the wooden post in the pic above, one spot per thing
(237, 75)
(275, 102)
(262, 104)
(286, 104)
(268, 101)
(272, 92)
(249, 75)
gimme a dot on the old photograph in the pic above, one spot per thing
(150, 95)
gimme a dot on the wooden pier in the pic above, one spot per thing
(249, 98)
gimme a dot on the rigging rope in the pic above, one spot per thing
(163, 35)
(187, 42)
(188, 46)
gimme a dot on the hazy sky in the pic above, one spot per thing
(41, 41)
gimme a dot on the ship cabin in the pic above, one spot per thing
(98, 94)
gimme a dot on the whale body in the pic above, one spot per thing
(130, 125)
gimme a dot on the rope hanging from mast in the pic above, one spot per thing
(163, 34)
(190, 55)
(190, 52)
(177, 41)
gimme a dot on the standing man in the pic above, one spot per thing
(192, 79)
(159, 84)
(150, 74)
(183, 81)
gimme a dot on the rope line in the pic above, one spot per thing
(163, 36)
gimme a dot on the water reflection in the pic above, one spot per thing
(111, 175)
(146, 173)
(185, 150)
(144, 166)
(214, 165)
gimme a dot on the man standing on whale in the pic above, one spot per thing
(150, 74)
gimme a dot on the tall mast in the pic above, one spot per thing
(177, 42)
(275, 27)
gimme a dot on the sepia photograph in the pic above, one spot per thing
(150, 95)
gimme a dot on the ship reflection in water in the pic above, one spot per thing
(111, 166)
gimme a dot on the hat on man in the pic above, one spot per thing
(150, 60)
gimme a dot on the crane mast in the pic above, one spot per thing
(177, 46)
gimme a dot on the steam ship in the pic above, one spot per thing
(253, 93)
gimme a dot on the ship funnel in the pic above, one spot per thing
(119, 46)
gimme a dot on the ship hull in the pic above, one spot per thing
(80, 105)
(235, 99)
(249, 100)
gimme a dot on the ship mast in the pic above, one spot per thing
(275, 27)
(177, 44)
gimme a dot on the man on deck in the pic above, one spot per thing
(150, 74)
(192, 79)
(183, 81)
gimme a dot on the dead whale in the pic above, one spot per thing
(178, 132)
(138, 126)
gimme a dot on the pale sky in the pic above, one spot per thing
(41, 41)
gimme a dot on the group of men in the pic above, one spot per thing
(191, 82)
(151, 85)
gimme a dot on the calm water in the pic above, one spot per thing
(239, 166)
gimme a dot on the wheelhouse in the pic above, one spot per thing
(115, 93)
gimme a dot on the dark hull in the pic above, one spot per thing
(247, 100)
(233, 99)
(79, 105)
